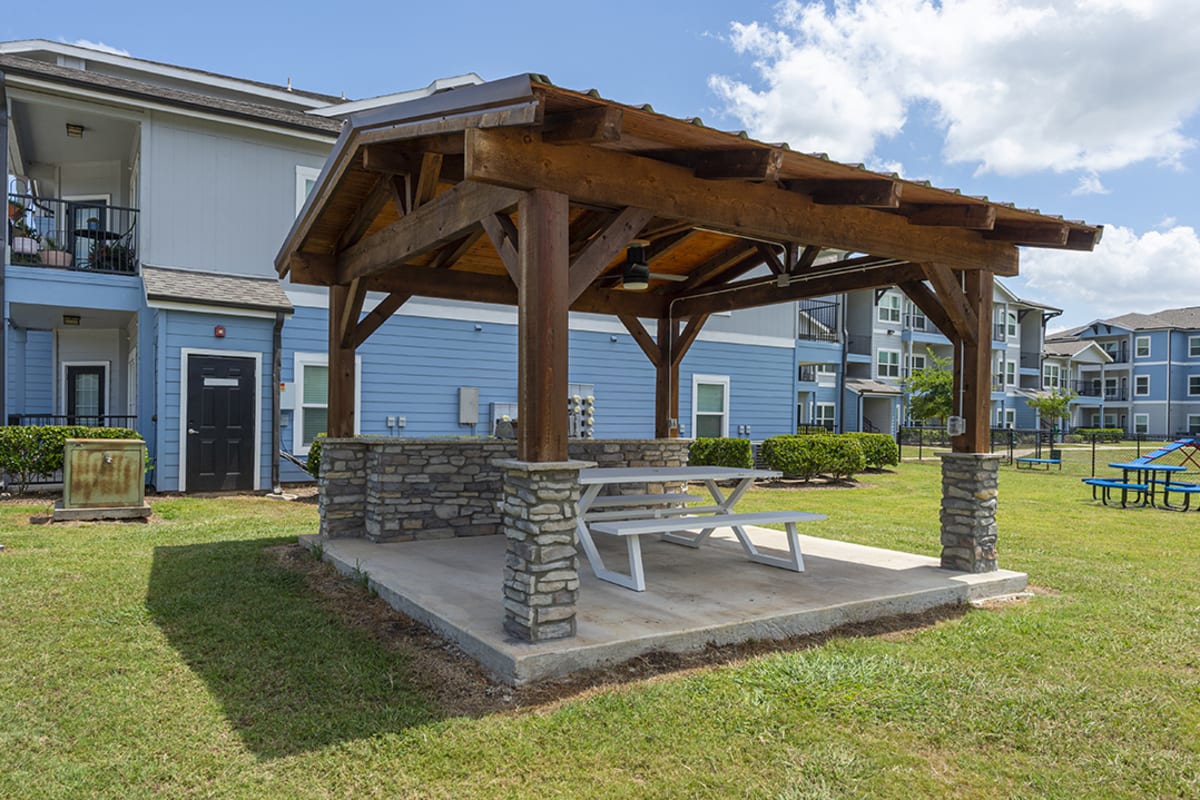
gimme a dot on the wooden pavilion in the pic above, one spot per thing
(523, 193)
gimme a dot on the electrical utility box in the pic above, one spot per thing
(103, 479)
(468, 405)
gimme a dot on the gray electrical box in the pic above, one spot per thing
(468, 405)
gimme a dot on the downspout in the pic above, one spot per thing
(1167, 421)
(276, 377)
(4, 255)
(841, 398)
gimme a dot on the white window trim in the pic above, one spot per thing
(1136, 380)
(1012, 327)
(303, 175)
(885, 304)
(184, 353)
(1194, 347)
(1193, 421)
(299, 362)
(1010, 373)
(817, 417)
(1193, 377)
(722, 380)
(1138, 341)
(62, 384)
(878, 363)
(1142, 420)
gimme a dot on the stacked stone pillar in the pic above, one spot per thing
(970, 484)
(343, 470)
(541, 568)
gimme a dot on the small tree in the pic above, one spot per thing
(1054, 407)
(931, 390)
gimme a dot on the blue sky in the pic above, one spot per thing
(1084, 108)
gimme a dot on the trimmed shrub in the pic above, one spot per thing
(313, 463)
(721, 453)
(879, 449)
(36, 451)
(1101, 434)
(808, 456)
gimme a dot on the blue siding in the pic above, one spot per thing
(187, 330)
(39, 372)
(762, 385)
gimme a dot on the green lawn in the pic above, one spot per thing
(177, 659)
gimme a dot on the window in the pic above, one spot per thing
(1010, 373)
(1194, 347)
(825, 415)
(887, 364)
(1141, 347)
(889, 308)
(1051, 376)
(306, 179)
(710, 406)
(826, 374)
(311, 414)
(1010, 417)
(1141, 423)
(1193, 385)
(916, 319)
(1193, 422)
(1011, 319)
(1141, 385)
(916, 363)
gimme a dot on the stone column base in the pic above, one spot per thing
(970, 484)
(541, 569)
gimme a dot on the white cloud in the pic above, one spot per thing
(101, 46)
(1015, 85)
(1089, 183)
(1125, 273)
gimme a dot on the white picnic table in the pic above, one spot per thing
(666, 515)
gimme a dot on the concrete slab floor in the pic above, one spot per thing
(692, 598)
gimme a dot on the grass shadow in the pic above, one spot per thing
(288, 674)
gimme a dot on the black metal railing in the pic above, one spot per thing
(808, 373)
(1031, 360)
(91, 421)
(810, 428)
(1116, 394)
(1085, 388)
(72, 234)
(999, 332)
(817, 320)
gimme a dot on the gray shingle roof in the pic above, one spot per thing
(214, 289)
(1168, 318)
(284, 117)
(868, 386)
(1068, 347)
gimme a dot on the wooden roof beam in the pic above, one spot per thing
(585, 126)
(871, 192)
(507, 241)
(1038, 233)
(617, 179)
(924, 298)
(764, 292)
(975, 217)
(949, 290)
(446, 218)
(643, 338)
(752, 165)
(601, 250)
(378, 315)
(722, 261)
(388, 188)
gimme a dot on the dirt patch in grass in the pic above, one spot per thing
(463, 688)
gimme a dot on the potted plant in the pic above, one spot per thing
(16, 209)
(24, 238)
(93, 224)
(55, 256)
(114, 257)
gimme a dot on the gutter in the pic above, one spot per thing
(4, 254)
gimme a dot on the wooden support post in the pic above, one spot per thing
(666, 382)
(341, 367)
(974, 369)
(542, 319)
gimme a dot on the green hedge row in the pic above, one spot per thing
(721, 453)
(837, 455)
(1101, 434)
(36, 451)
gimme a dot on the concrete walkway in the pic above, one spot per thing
(693, 597)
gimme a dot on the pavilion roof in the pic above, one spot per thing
(420, 196)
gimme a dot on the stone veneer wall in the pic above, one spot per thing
(396, 490)
(970, 487)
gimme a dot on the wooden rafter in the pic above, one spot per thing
(377, 316)
(427, 179)
(351, 310)
(807, 258)
(444, 219)
(585, 226)
(976, 217)
(662, 245)
(723, 261)
(766, 291)
(449, 255)
(755, 165)
(506, 239)
(642, 337)
(758, 210)
(1042, 233)
(384, 191)
(586, 125)
(602, 249)
(949, 289)
(771, 258)
(870, 192)
(687, 338)
(931, 306)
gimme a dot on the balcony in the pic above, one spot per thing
(1031, 360)
(858, 345)
(817, 321)
(75, 235)
(1116, 394)
(808, 373)
(1085, 388)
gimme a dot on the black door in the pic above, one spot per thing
(85, 395)
(220, 423)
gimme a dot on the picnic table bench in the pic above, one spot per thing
(1031, 461)
(1106, 485)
